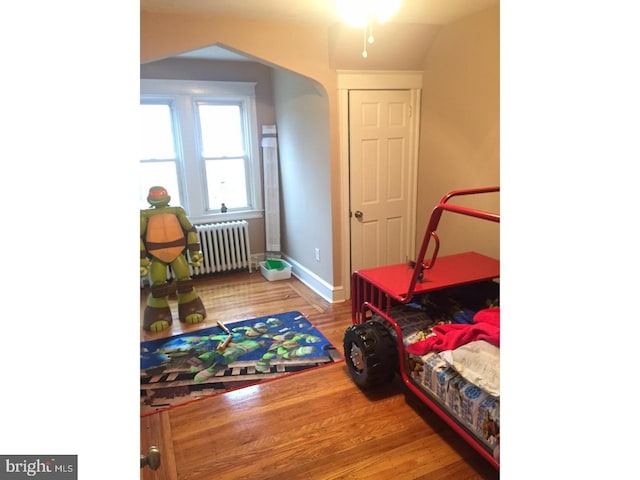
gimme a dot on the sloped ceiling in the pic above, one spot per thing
(400, 44)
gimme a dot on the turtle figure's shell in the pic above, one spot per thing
(165, 238)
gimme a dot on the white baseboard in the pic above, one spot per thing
(330, 293)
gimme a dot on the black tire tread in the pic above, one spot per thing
(379, 352)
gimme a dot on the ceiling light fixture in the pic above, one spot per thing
(364, 13)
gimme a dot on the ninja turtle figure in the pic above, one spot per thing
(165, 236)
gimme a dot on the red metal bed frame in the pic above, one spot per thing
(376, 290)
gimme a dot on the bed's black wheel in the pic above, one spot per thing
(371, 354)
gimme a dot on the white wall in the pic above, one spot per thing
(302, 118)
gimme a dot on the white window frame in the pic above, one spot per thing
(183, 95)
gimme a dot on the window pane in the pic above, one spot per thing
(221, 130)
(226, 183)
(157, 132)
(159, 174)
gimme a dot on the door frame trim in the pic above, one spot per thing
(375, 80)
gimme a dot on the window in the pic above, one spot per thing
(158, 154)
(199, 140)
(223, 153)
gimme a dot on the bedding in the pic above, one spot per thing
(485, 326)
(478, 363)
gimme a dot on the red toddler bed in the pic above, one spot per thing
(437, 324)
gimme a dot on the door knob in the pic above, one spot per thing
(358, 214)
(151, 459)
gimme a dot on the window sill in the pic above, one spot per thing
(227, 217)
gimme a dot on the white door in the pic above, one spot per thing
(380, 128)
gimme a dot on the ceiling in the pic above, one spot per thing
(318, 12)
(401, 43)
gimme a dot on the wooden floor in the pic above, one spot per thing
(312, 425)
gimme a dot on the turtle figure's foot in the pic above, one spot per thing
(157, 319)
(192, 312)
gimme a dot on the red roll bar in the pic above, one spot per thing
(433, 225)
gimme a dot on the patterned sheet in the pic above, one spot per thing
(474, 408)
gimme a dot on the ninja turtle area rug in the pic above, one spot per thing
(195, 365)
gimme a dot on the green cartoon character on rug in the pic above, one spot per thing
(213, 361)
(199, 355)
(287, 346)
(245, 339)
(166, 235)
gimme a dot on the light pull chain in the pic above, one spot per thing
(364, 43)
(367, 39)
(363, 14)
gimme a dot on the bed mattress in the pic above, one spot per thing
(471, 406)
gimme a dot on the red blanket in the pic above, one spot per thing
(485, 326)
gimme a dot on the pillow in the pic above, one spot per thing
(478, 362)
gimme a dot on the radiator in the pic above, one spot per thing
(225, 246)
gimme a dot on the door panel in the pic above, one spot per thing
(379, 137)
